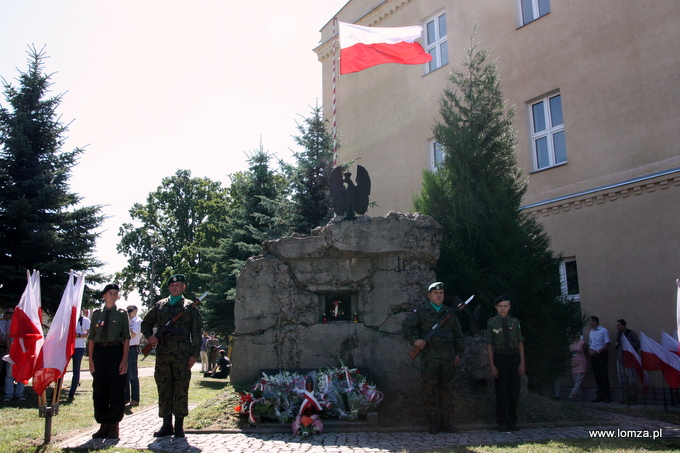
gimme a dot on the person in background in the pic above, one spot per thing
(213, 346)
(12, 389)
(627, 376)
(4, 331)
(505, 348)
(82, 330)
(108, 346)
(598, 344)
(222, 368)
(204, 352)
(132, 375)
(579, 365)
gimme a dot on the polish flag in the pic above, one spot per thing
(669, 343)
(363, 47)
(60, 340)
(26, 331)
(631, 359)
(655, 357)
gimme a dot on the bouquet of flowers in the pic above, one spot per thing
(342, 393)
(306, 425)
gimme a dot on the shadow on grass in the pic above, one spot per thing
(213, 384)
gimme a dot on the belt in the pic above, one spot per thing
(106, 344)
(508, 352)
(134, 346)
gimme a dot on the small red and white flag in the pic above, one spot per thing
(655, 357)
(363, 47)
(631, 359)
(60, 340)
(26, 331)
(669, 343)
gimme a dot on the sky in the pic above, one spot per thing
(150, 87)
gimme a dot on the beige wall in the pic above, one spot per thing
(615, 62)
(614, 205)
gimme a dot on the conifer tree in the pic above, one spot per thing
(490, 247)
(309, 179)
(255, 196)
(42, 223)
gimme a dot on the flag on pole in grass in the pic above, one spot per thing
(655, 357)
(363, 47)
(26, 331)
(60, 340)
(631, 359)
(669, 343)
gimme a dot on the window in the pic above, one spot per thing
(569, 279)
(533, 9)
(436, 156)
(435, 42)
(547, 133)
(338, 306)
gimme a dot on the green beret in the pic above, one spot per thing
(177, 278)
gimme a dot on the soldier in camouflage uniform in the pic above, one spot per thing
(176, 352)
(439, 356)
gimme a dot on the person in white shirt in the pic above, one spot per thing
(132, 387)
(82, 329)
(599, 359)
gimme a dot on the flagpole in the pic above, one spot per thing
(334, 43)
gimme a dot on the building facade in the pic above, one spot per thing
(596, 87)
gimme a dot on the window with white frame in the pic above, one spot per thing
(569, 279)
(533, 9)
(435, 42)
(547, 132)
(436, 155)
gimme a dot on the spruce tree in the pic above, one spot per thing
(490, 247)
(42, 224)
(309, 179)
(255, 197)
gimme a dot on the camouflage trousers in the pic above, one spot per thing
(437, 372)
(172, 375)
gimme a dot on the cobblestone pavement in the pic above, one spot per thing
(136, 432)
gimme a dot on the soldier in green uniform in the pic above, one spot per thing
(108, 347)
(505, 347)
(176, 353)
(439, 356)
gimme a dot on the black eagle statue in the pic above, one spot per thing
(349, 198)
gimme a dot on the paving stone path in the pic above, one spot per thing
(136, 432)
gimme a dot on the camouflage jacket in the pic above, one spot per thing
(184, 336)
(423, 317)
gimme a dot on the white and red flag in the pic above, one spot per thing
(631, 359)
(655, 357)
(60, 340)
(26, 331)
(669, 343)
(363, 47)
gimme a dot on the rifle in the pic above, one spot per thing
(168, 325)
(416, 350)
